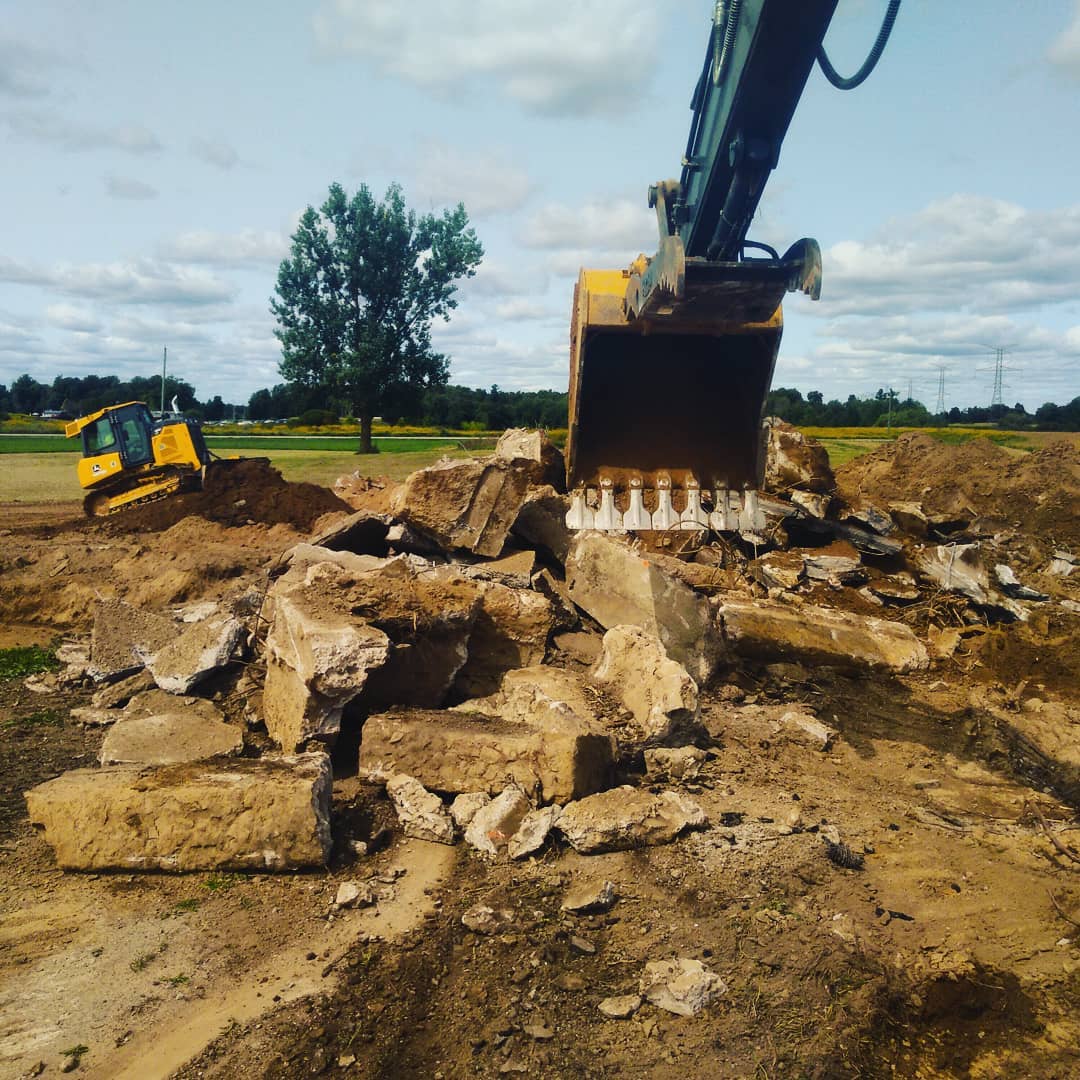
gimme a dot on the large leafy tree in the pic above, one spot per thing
(358, 294)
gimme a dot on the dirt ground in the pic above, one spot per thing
(953, 949)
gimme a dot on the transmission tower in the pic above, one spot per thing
(999, 353)
(940, 410)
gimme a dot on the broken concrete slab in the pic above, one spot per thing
(123, 635)
(793, 461)
(815, 505)
(627, 817)
(542, 459)
(870, 517)
(662, 697)
(300, 555)
(1011, 585)
(897, 589)
(363, 533)
(422, 814)
(116, 695)
(465, 505)
(835, 569)
(463, 808)
(617, 586)
(551, 751)
(515, 569)
(493, 825)
(682, 986)
(778, 570)
(532, 833)
(674, 763)
(766, 630)
(317, 661)
(541, 521)
(511, 630)
(169, 738)
(547, 584)
(1063, 563)
(910, 517)
(270, 813)
(200, 650)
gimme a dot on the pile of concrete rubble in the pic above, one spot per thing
(508, 681)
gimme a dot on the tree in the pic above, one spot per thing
(358, 294)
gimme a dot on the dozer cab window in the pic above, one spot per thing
(132, 425)
(98, 437)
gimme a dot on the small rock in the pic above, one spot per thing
(626, 817)
(463, 809)
(540, 1032)
(588, 897)
(482, 919)
(494, 824)
(533, 831)
(1010, 585)
(620, 1008)
(70, 1064)
(421, 813)
(352, 894)
(809, 728)
(682, 986)
(582, 945)
(346, 1060)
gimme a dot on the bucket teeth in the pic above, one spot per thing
(608, 518)
(580, 515)
(664, 516)
(723, 510)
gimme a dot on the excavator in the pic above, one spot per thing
(697, 326)
(129, 458)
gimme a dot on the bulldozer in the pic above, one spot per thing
(694, 330)
(129, 458)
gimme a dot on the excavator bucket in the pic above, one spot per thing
(666, 407)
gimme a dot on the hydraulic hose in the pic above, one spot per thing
(871, 61)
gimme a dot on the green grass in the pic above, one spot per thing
(26, 660)
(41, 718)
(842, 451)
(232, 444)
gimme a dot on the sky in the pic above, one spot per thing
(155, 158)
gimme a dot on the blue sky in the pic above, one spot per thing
(156, 157)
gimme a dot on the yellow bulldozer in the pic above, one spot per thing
(671, 359)
(129, 458)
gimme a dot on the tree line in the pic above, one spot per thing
(456, 408)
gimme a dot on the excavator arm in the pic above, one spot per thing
(672, 358)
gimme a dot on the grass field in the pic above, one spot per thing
(57, 444)
(50, 477)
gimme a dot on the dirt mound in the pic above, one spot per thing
(1039, 491)
(236, 493)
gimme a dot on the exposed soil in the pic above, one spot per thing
(1039, 492)
(954, 951)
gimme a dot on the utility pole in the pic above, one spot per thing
(888, 423)
(164, 362)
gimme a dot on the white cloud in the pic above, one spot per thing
(486, 182)
(127, 187)
(963, 253)
(214, 152)
(246, 247)
(67, 317)
(47, 127)
(522, 309)
(1064, 51)
(567, 59)
(614, 224)
(141, 281)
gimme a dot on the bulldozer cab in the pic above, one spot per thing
(126, 429)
